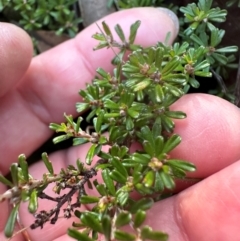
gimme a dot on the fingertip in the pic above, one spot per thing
(175, 22)
(210, 204)
(210, 133)
(16, 53)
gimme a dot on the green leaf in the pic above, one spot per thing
(79, 141)
(118, 57)
(141, 158)
(149, 148)
(100, 188)
(142, 204)
(47, 163)
(123, 151)
(88, 199)
(5, 181)
(111, 105)
(119, 167)
(175, 114)
(117, 176)
(158, 185)
(90, 154)
(167, 180)
(177, 92)
(142, 85)
(196, 39)
(133, 113)
(107, 30)
(111, 115)
(133, 31)
(171, 65)
(149, 179)
(10, 225)
(203, 65)
(98, 36)
(157, 128)
(55, 127)
(122, 197)
(220, 58)
(33, 202)
(171, 143)
(69, 119)
(193, 82)
(159, 93)
(80, 165)
(186, 166)
(137, 176)
(102, 72)
(107, 227)
(139, 218)
(73, 233)
(80, 107)
(14, 173)
(129, 123)
(167, 123)
(91, 221)
(228, 49)
(143, 190)
(124, 236)
(147, 233)
(203, 73)
(123, 218)
(175, 78)
(24, 166)
(205, 5)
(60, 138)
(108, 181)
(158, 145)
(102, 44)
(120, 33)
(97, 121)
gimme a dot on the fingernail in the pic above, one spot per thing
(171, 15)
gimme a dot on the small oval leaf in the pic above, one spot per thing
(124, 236)
(79, 236)
(139, 218)
(123, 218)
(33, 202)
(143, 204)
(107, 227)
(9, 228)
(24, 166)
(108, 181)
(47, 163)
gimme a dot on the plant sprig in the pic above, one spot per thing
(134, 105)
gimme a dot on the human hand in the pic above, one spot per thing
(34, 96)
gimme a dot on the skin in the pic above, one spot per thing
(37, 91)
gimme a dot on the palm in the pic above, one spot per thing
(210, 133)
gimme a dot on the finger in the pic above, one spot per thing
(210, 133)
(53, 79)
(16, 53)
(207, 211)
